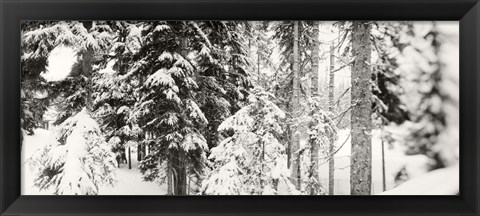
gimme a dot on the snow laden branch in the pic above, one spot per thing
(251, 161)
(77, 161)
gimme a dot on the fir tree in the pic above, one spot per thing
(251, 161)
(78, 161)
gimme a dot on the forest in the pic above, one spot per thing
(239, 107)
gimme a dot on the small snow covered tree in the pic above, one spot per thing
(78, 161)
(251, 161)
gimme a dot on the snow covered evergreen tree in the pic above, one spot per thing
(167, 106)
(321, 128)
(78, 161)
(251, 161)
(115, 94)
(38, 40)
(222, 77)
(434, 105)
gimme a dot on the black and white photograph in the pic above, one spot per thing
(199, 107)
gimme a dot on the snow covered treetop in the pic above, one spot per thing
(260, 101)
(82, 121)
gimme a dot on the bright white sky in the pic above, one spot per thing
(60, 63)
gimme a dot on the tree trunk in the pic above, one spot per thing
(258, 67)
(361, 154)
(331, 89)
(384, 183)
(295, 146)
(129, 159)
(87, 71)
(87, 59)
(314, 148)
(140, 152)
(180, 160)
(169, 175)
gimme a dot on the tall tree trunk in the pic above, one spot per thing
(361, 151)
(331, 89)
(314, 148)
(181, 168)
(295, 146)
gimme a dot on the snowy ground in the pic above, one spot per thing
(395, 159)
(129, 180)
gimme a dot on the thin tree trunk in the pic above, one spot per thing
(384, 183)
(139, 152)
(295, 146)
(361, 123)
(314, 148)
(258, 66)
(289, 147)
(129, 159)
(331, 159)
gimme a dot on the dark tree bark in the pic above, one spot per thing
(87, 58)
(129, 159)
(361, 154)
(87, 71)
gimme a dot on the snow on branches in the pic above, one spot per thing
(251, 161)
(78, 160)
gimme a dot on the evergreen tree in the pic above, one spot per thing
(251, 161)
(78, 161)
(115, 93)
(79, 152)
(38, 40)
(436, 103)
(168, 105)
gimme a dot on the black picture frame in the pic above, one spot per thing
(13, 11)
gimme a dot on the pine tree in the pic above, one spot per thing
(78, 161)
(79, 152)
(38, 40)
(361, 155)
(251, 161)
(115, 93)
(168, 106)
(433, 132)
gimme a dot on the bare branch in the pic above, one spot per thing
(343, 66)
(341, 96)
